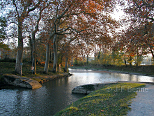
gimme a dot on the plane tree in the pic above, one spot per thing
(20, 10)
(74, 16)
(141, 12)
(85, 17)
(3, 25)
(35, 29)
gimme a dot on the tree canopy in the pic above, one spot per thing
(76, 28)
(3, 25)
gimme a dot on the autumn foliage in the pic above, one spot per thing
(61, 30)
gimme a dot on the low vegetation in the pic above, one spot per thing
(111, 100)
(8, 68)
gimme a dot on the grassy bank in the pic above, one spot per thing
(145, 70)
(111, 100)
(9, 67)
(40, 76)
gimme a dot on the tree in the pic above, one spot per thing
(3, 25)
(87, 20)
(67, 53)
(4, 46)
(79, 14)
(141, 12)
(18, 14)
(41, 8)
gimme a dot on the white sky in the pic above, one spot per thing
(117, 15)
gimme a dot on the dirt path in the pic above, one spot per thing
(143, 104)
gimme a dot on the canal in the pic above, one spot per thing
(56, 94)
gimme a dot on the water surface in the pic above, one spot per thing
(56, 94)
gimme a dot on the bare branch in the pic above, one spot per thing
(60, 16)
(31, 9)
(16, 7)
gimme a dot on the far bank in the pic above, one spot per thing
(147, 70)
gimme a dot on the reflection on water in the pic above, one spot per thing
(56, 95)
(104, 76)
(135, 78)
(46, 101)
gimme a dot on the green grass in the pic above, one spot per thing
(111, 100)
(9, 68)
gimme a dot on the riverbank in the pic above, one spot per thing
(136, 70)
(7, 68)
(29, 82)
(112, 99)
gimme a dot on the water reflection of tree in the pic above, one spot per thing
(133, 77)
(19, 102)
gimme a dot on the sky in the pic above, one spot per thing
(118, 14)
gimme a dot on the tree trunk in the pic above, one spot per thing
(87, 60)
(137, 62)
(55, 54)
(152, 60)
(130, 61)
(19, 57)
(50, 56)
(152, 53)
(66, 65)
(125, 62)
(33, 52)
(46, 67)
(31, 48)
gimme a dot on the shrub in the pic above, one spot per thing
(7, 60)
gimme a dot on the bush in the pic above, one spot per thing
(26, 60)
(79, 63)
(7, 60)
